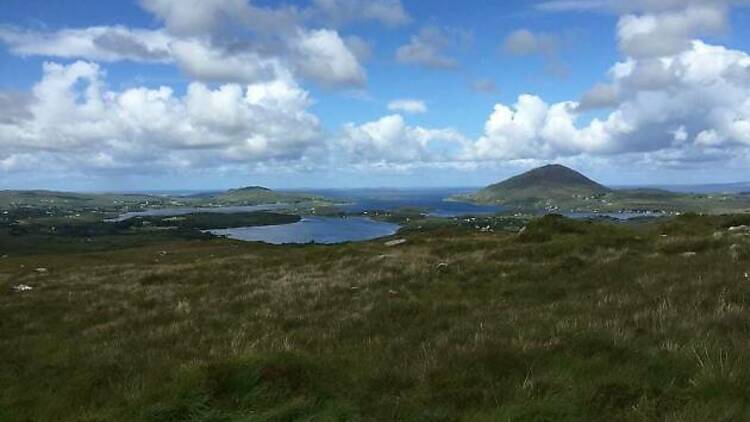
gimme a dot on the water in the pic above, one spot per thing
(431, 200)
(314, 229)
(165, 212)
(328, 230)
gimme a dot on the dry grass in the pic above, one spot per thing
(568, 321)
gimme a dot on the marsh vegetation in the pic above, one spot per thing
(566, 320)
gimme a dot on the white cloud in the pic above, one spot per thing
(600, 96)
(218, 41)
(408, 105)
(203, 17)
(670, 32)
(101, 43)
(73, 120)
(697, 101)
(428, 47)
(201, 61)
(322, 55)
(390, 140)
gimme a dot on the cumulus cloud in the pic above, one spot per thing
(428, 47)
(599, 96)
(408, 105)
(73, 119)
(202, 17)
(199, 60)
(668, 32)
(220, 41)
(390, 140)
(699, 101)
(15, 106)
(322, 55)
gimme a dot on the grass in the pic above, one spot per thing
(28, 233)
(566, 321)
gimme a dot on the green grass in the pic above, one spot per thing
(566, 321)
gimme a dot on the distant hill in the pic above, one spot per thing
(249, 195)
(251, 189)
(548, 183)
(252, 195)
(559, 188)
(64, 200)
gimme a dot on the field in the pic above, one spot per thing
(564, 321)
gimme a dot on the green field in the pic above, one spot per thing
(564, 321)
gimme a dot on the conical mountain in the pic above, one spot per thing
(550, 183)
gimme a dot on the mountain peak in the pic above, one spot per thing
(551, 175)
(550, 182)
(251, 189)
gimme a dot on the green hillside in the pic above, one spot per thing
(540, 187)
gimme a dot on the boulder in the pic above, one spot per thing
(395, 242)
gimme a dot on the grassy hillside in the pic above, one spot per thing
(545, 182)
(558, 188)
(253, 195)
(566, 321)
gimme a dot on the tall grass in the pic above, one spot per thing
(566, 321)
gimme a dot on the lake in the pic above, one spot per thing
(324, 230)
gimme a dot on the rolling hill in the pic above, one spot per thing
(251, 195)
(255, 195)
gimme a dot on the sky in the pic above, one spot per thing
(209, 94)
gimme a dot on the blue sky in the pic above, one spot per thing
(164, 94)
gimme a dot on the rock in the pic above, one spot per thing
(395, 242)
(22, 288)
(162, 253)
(393, 292)
(442, 266)
(734, 251)
(41, 270)
(741, 228)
